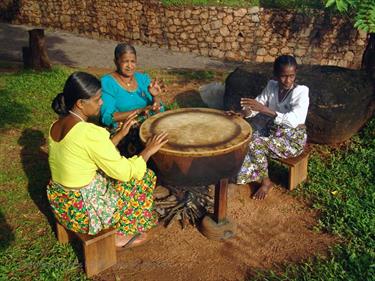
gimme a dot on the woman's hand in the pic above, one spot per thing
(253, 105)
(154, 88)
(153, 145)
(128, 122)
(124, 128)
(146, 110)
(156, 106)
(233, 113)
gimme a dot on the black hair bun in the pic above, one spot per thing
(58, 105)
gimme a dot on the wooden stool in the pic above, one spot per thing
(297, 168)
(99, 250)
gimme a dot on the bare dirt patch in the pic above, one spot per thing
(270, 233)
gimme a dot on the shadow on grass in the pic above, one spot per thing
(6, 233)
(278, 173)
(12, 112)
(35, 165)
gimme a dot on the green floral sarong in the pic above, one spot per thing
(104, 203)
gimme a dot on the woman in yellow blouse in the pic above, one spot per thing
(93, 187)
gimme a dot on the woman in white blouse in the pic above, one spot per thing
(280, 113)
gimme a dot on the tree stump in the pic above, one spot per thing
(35, 55)
(369, 57)
(341, 100)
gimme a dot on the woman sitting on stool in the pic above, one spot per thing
(126, 91)
(283, 135)
(93, 187)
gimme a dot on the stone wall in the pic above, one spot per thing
(243, 34)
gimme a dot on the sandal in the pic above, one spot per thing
(135, 241)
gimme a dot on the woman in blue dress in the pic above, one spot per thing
(127, 92)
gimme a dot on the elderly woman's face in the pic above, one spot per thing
(126, 64)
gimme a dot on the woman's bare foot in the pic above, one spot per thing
(263, 189)
(123, 240)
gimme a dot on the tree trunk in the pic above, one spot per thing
(35, 56)
(368, 62)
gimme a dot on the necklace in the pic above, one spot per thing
(75, 114)
(125, 82)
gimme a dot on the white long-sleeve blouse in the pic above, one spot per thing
(291, 111)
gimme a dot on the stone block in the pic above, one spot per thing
(216, 24)
(273, 51)
(240, 12)
(349, 56)
(261, 52)
(216, 53)
(120, 26)
(204, 51)
(224, 31)
(360, 42)
(229, 55)
(255, 18)
(253, 10)
(227, 20)
(221, 15)
(285, 51)
(300, 52)
(269, 58)
(362, 34)
(174, 48)
(235, 45)
(187, 14)
(204, 15)
(206, 27)
(259, 58)
(343, 63)
(197, 29)
(209, 39)
(218, 39)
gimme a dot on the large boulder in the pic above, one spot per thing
(341, 100)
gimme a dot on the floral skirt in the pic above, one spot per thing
(105, 203)
(282, 142)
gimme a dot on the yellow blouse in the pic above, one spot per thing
(86, 148)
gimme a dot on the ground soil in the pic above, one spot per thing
(271, 233)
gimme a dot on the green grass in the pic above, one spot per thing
(341, 188)
(28, 248)
(289, 4)
(235, 3)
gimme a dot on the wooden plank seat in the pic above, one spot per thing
(297, 168)
(99, 250)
